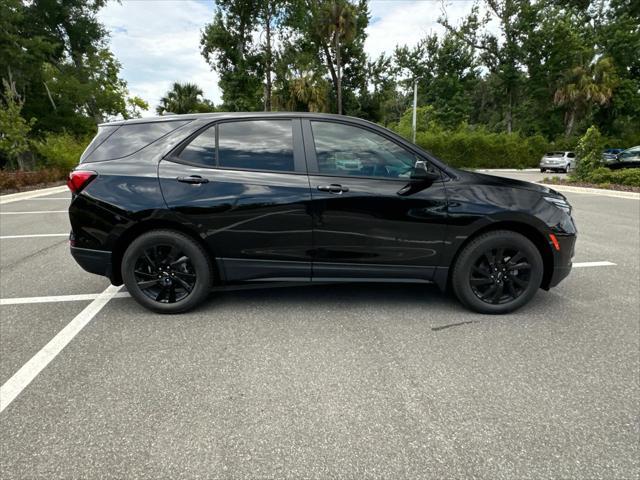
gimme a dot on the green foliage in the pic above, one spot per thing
(628, 177)
(230, 46)
(184, 98)
(61, 151)
(478, 148)
(135, 105)
(56, 53)
(589, 153)
(14, 129)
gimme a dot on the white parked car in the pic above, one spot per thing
(558, 161)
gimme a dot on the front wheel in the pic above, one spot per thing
(498, 272)
(166, 271)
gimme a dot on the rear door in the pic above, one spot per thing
(243, 186)
(370, 219)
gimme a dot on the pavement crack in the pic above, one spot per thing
(442, 327)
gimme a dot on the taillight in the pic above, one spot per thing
(78, 179)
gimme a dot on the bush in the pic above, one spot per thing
(12, 181)
(629, 177)
(60, 150)
(589, 153)
(603, 176)
(481, 149)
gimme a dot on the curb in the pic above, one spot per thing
(593, 191)
(14, 197)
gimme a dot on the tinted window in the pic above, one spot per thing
(130, 138)
(347, 150)
(202, 149)
(631, 154)
(256, 145)
(571, 155)
(103, 133)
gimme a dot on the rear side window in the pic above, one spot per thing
(128, 139)
(103, 133)
(202, 149)
(256, 145)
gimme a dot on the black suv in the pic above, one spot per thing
(175, 206)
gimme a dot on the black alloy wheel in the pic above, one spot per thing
(497, 272)
(500, 275)
(165, 274)
(167, 271)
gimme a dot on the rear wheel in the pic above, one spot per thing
(542, 170)
(498, 272)
(166, 271)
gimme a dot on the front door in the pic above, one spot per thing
(242, 185)
(370, 219)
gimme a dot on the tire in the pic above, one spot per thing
(542, 170)
(566, 170)
(166, 271)
(488, 263)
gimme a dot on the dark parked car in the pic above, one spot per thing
(629, 158)
(610, 155)
(174, 206)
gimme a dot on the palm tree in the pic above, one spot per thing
(338, 25)
(182, 98)
(310, 91)
(583, 86)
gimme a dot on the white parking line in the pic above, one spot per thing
(40, 211)
(46, 199)
(30, 370)
(58, 298)
(593, 264)
(16, 197)
(6, 237)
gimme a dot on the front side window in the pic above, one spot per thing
(353, 151)
(256, 145)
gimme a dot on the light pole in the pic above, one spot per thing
(415, 107)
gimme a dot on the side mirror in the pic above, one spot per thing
(421, 172)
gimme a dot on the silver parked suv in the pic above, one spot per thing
(558, 161)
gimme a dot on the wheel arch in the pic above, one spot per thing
(529, 231)
(138, 229)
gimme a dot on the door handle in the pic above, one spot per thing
(333, 188)
(193, 179)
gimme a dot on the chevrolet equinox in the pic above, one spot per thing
(177, 205)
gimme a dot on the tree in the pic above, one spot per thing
(227, 44)
(135, 105)
(58, 56)
(182, 98)
(14, 129)
(338, 25)
(589, 153)
(312, 28)
(499, 53)
(584, 86)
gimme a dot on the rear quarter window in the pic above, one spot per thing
(121, 141)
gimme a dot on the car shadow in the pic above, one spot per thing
(338, 295)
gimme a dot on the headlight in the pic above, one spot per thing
(560, 203)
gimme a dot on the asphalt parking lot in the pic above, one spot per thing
(350, 381)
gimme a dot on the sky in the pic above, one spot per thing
(158, 41)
